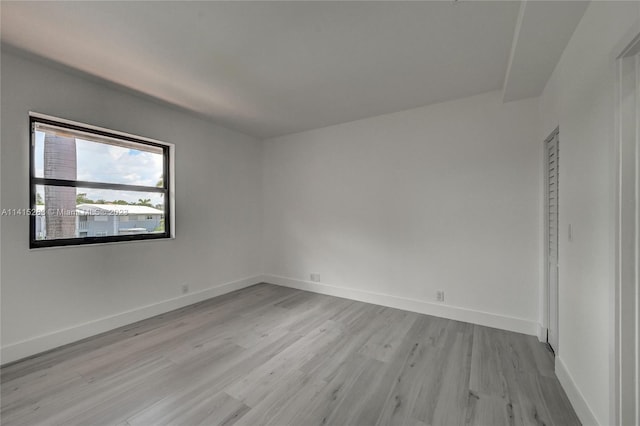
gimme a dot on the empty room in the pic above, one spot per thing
(421, 213)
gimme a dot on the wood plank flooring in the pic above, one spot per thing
(270, 355)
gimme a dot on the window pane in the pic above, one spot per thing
(68, 212)
(76, 156)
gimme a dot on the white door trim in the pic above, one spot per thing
(625, 343)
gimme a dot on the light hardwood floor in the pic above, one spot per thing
(273, 355)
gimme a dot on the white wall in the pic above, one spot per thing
(401, 205)
(53, 296)
(580, 99)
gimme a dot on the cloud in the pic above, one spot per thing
(98, 162)
(113, 164)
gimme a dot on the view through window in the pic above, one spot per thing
(92, 186)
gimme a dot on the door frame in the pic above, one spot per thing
(625, 363)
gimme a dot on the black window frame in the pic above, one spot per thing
(77, 241)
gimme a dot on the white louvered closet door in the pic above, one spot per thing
(552, 154)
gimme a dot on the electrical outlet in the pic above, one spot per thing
(440, 295)
(315, 278)
(185, 288)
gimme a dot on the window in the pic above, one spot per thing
(85, 181)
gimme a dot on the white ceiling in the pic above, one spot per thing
(272, 68)
(543, 30)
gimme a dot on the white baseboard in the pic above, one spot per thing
(584, 412)
(35, 345)
(542, 333)
(518, 325)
